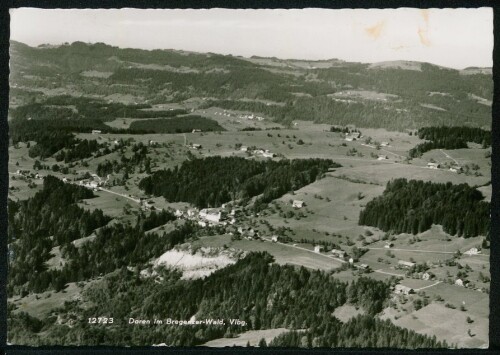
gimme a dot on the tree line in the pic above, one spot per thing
(212, 181)
(444, 137)
(182, 124)
(413, 206)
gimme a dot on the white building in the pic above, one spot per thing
(196, 146)
(211, 215)
(268, 155)
(406, 264)
(403, 290)
(298, 204)
(96, 131)
(178, 213)
(433, 165)
(244, 149)
(472, 251)
(274, 238)
(318, 248)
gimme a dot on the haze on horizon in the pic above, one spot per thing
(455, 38)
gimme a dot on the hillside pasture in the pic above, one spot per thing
(383, 173)
(333, 205)
(251, 337)
(40, 305)
(447, 324)
(283, 254)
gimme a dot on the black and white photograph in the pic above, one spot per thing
(256, 178)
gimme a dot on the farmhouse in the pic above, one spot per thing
(196, 130)
(318, 248)
(427, 276)
(433, 165)
(472, 251)
(338, 253)
(96, 131)
(244, 148)
(298, 204)
(403, 290)
(178, 213)
(384, 144)
(382, 157)
(388, 245)
(196, 146)
(460, 282)
(212, 215)
(406, 264)
(268, 155)
(363, 266)
(274, 238)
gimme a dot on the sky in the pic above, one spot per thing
(455, 38)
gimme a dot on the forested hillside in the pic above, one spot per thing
(212, 181)
(450, 138)
(38, 224)
(345, 93)
(413, 206)
(51, 218)
(262, 294)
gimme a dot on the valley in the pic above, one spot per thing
(198, 169)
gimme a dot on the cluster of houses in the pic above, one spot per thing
(210, 216)
(454, 168)
(93, 183)
(252, 117)
(352, 136)
(225, 113)
(27, 174)
(266, 153)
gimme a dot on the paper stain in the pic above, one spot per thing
(423, 32)
(376, 30)
(425, 15)
(397, 48)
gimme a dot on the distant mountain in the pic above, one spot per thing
(394, 95)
